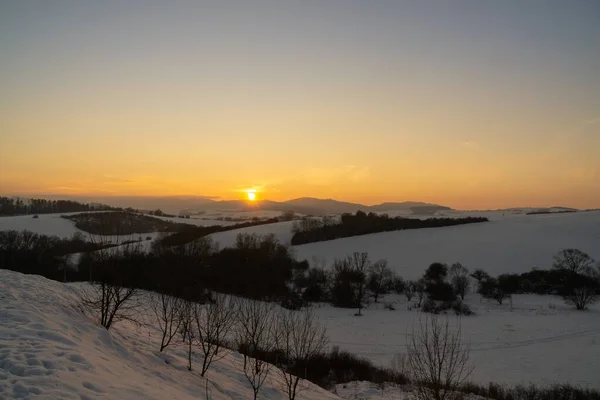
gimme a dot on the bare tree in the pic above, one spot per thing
(111, 295)
(380, 278)
(299, 338)
(400, 364)
(167, 310)
(214, 321)
(188, 333)
(581, 297)
(572, 260)
(360, 265)
(480, 276)
(254, 336)
(409, 290)
(459, 277)
(420, 290)
(437, 360)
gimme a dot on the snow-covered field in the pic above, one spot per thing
(195, 221)
(49, 349)
(541, 340)
(509, 244)
(281, 230)
(45, 224)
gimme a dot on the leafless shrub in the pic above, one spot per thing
(213, 322)
(299, 338)
(111, 294)
(254, 336)
(573, 260)
(188, 333)
(437, 360)
(459, 277)
(167, 310)
(581, 297)
(400, 364)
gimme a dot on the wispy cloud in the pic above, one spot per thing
(321, 176)
(115, 179)
(469, 144)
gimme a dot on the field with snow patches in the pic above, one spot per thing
(281, 230)
(195, 221)
(541, 340)
(45, 224)
(49, 349)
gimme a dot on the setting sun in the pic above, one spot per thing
(251, 194)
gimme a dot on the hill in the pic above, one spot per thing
(50, 349)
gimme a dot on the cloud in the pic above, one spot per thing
(320, 176)
(469, 144)
(115, 179)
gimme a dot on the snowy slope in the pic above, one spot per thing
(45, 224)
(281, 230)
(510, 244)
(54, 225)
(194, 221)
(50, 350)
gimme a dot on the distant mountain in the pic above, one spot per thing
(310, 205)
(406, 205)
(539, 209)
(303, 205)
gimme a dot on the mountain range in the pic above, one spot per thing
(303, 205)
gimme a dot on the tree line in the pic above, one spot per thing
(313, 229)
(572, 276)
(16, 206)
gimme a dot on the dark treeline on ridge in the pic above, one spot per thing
(190, 234)
(256, 267)
(16, 206)
(362, 223)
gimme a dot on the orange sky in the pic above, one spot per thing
(388, 103)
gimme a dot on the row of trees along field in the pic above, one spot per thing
(312, 229)
(17, 206)
(354, 281)
(259, 267)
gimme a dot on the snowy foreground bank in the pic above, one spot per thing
(50, 349)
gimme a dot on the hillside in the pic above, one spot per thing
(49, 349)
(502, 245)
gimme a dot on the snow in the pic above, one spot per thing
(362, 390)
(194, 221)
(505, 244)
(50, 349)
(541, 340)
(281, 230)
(45, 224)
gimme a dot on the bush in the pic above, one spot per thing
(461, 308)
(437, 307)
(429, 306)
(440, 291)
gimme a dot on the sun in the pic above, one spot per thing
(251, 195)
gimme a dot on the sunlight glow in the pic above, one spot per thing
(251, 194)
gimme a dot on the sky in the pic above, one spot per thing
(470, 104)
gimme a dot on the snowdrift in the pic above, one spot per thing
(50, 349)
